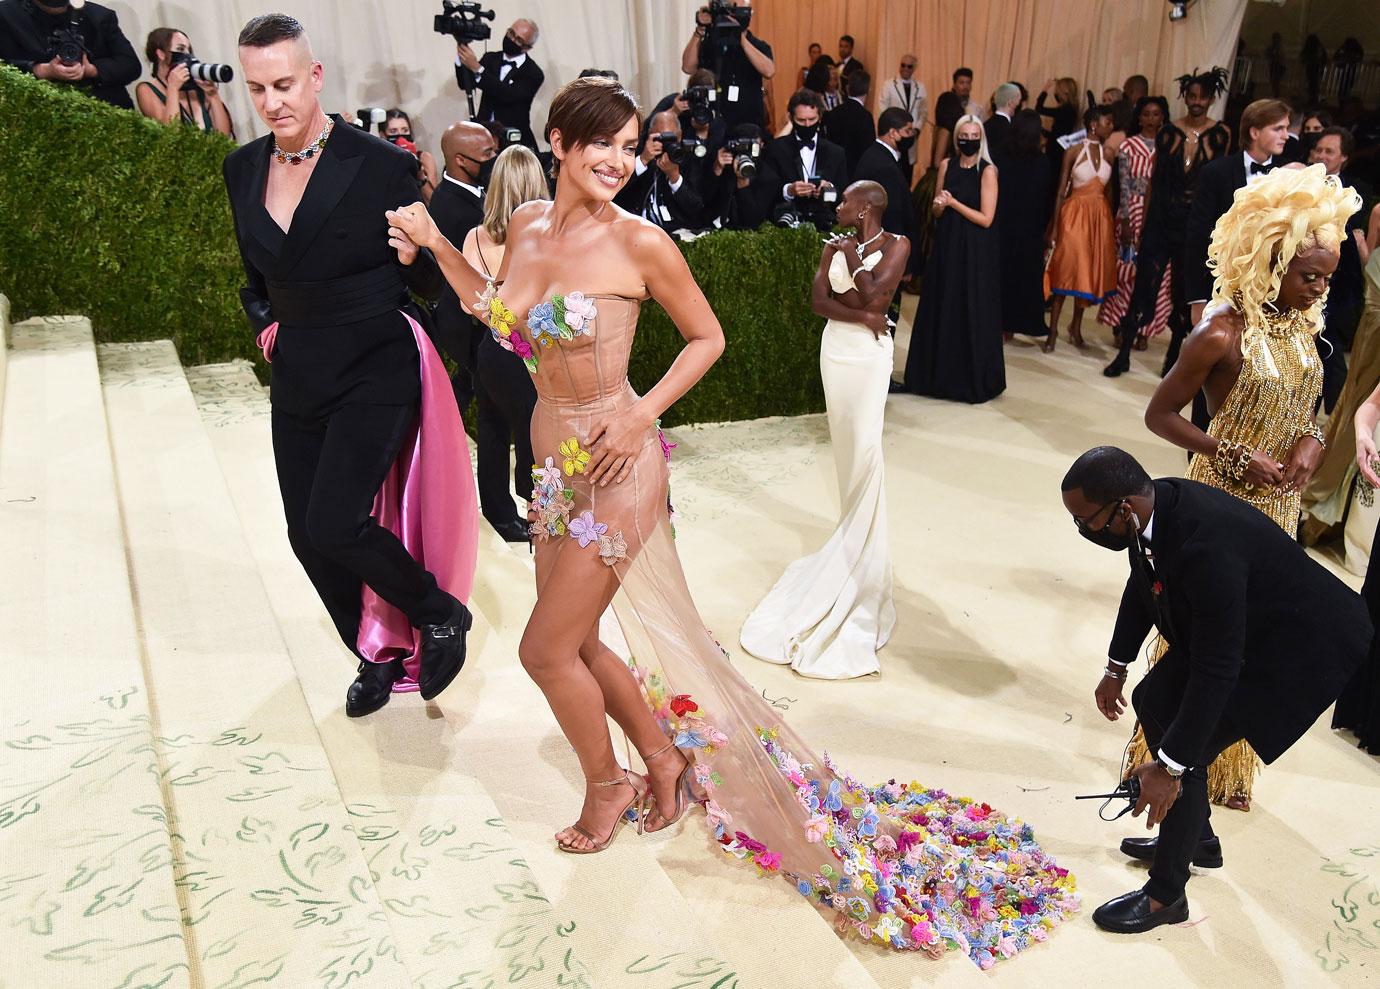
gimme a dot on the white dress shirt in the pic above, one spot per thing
(474, 190)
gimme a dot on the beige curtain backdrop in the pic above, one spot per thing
(384, 53)
(1097, 42)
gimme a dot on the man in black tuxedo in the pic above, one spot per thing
(1261, 640)
(667, 187)
(508, 80)
(309, 202)
(734, 186)
(792, 161)
(848, 65)
(850, 124)
(468, 150)
(878, 164)
(998, 126)
(1264, 131)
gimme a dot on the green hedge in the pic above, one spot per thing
(126, 221)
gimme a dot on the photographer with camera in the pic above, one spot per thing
(722, 43)
(698, 108)
(397, 129)
(508, 80)
(805, 171)
(196, 100)
(77, 44)
(735, 198)
(668, 175)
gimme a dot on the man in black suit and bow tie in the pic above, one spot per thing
(308, 202)
(847, 63)
(1261, 640)
(792, 161)
(1264, 132)
(878, 164)
(667, 182)
(850, 124)
(508, 80)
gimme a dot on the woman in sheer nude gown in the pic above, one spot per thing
(902, 865)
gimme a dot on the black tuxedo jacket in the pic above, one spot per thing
(456, 211)
(1212, 197)
(1258, 632)
(508, 101)
(685, 208)
(851, 126)
(781, 164)
(849, 67)
(997, 128)
(338, 234)
(25, 33)
(877, 165)
(1293, 151)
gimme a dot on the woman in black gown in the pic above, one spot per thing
(956, 345)
(1022, 216)
(1358, 709)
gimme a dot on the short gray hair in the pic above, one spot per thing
(1005, 93)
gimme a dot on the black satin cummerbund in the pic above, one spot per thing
(340, 300)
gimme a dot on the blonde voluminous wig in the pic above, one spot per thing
(517, 178)
(1270, 222)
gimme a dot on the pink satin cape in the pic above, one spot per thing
(430, 502)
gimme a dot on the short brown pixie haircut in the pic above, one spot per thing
(586, 110)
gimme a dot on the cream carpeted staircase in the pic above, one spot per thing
(184, 803)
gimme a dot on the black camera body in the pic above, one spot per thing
(205, 71)
(703, 101)
(68, 44)
(745, 152)
(728, 15)
(678, 149)
(463, 20)
(509, 136)
(829, 196)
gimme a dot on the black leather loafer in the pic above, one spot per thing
(372, 688)
(513, 532)
(1208, 854)
(1131, 913)
(443, 651)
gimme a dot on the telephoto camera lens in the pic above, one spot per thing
(745, 166)
(212, 72)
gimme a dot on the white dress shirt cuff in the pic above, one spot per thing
(675, 186)
(1170, 762)
(639, 166)
(1116, 662)
(786, 191)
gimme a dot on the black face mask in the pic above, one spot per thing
(486, 169)
(1105, 537)
(804, 134)
(511, 48)
(969, 145)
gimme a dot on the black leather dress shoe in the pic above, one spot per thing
(1131, 913)
(513, 532)
(895, 387)
(372, 688)
(1208, 854)
(443, 651)
(1118, 367)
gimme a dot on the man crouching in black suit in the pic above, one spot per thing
(1261, 640)
(329, 287)
(806, 170)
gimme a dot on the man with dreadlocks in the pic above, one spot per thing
(1182, 149)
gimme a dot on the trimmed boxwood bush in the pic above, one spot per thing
(124, 220)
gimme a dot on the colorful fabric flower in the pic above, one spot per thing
(586, 530)
(681, 705)
(576, 459)
(549, 474)
(580, 312)
(816, 828)
(541, 320)
(767, 861)
(613, 549)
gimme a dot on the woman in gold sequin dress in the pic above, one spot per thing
(1255, 358)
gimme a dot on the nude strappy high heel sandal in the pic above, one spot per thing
(639, 797)
(685, 795)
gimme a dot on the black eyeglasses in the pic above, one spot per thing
(1085, 525)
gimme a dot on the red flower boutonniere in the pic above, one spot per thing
(1157, 588)
(681, 705)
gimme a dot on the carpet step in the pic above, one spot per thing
(271, 864)
(87, 887)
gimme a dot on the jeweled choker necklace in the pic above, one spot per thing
(297, 157)
(862, 246)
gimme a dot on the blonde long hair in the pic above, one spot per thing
(517, 178)
(1270, 222)
(984, 153)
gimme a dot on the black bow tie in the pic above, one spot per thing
(1259, 168)
(806, 144)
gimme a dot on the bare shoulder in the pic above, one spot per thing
(642, 238)
(1218, 331)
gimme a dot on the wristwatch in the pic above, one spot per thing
(1175, 773)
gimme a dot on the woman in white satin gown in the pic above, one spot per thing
(831, 611)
